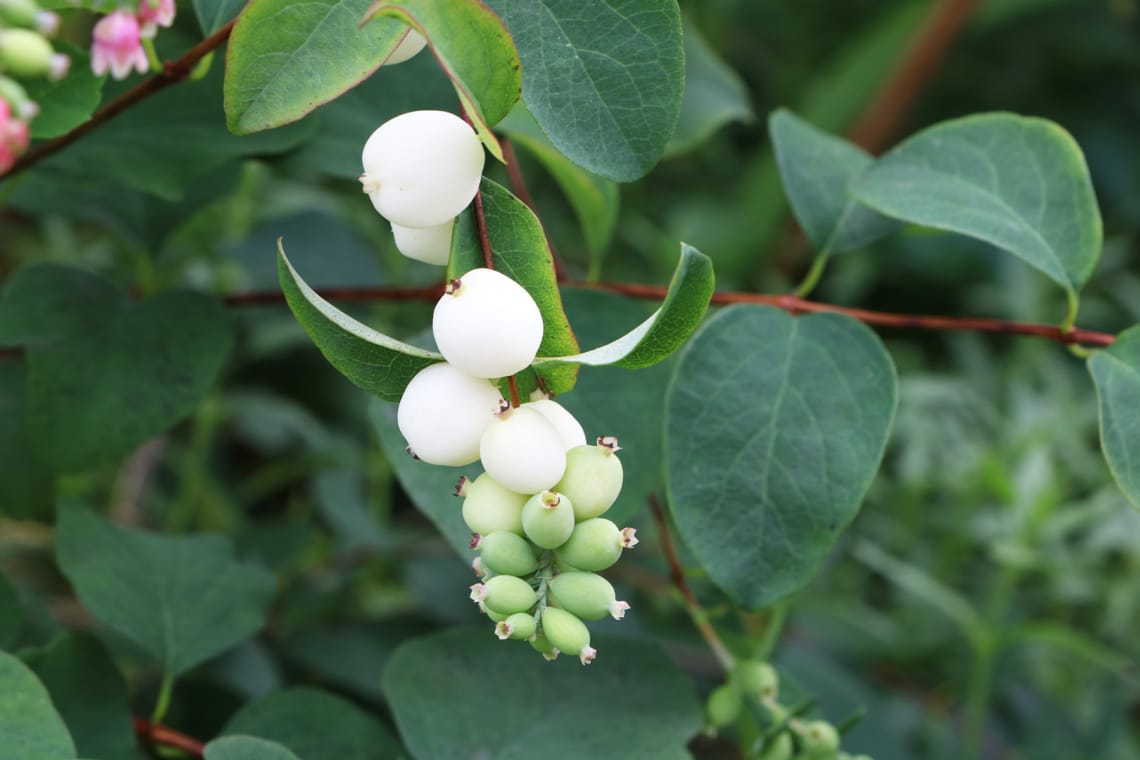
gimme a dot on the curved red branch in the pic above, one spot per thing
(160, 735)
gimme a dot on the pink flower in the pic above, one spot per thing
(153, 14)
(117, 46)
(14, 137)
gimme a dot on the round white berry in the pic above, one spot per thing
(444, 413)
(422, 168)
(412, 43)
(569, 429)
(487, 324)
(431, 245)
(522, 451)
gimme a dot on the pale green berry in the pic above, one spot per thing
(548, 519)
(569, 429)
(587, 595)
(520, 626)
(487, 325)
(431, 245)
(23, 107)
(523, 451)
(542, 645)
(723, 706)
(27, 13)
(412, 43)
(505, 552)
(593, 478)
(25, 53)
(756, 679)
(596, 544)
(818, 740)
(568, 634)
(498, 617)
(504, 594)
(444, 413)
(489, 507)
(778, 747)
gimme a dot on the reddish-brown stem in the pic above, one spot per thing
(172, 71)
(158, 734)
(481, 225)
(882, 116)
(518, 185)
(514, 386)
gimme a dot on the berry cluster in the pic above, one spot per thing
(536, 511)
(25, 53)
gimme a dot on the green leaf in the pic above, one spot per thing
(28, 721)
(666, 329)
(594, 199)
(287, 58)
(605, 80)
(27, 486)
(774, 428)
(69, 102)
(247, 748)
(1116, 374)
(315, 725)
(520, 252)
(90, 694)
(373, 361)
(715, 95)
(475, 51)
(214, 14)
(818, 170)
(11, 615)
(183, 599)
(632, 701)
(1018, 183)
(101, 391)
(45, 303)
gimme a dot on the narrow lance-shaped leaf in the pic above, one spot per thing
(475, 51)
(774, 427)
(817, 170)
(666, 329)
(1116, 373)
(1018, 183)
(373, 361)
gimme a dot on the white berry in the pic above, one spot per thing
(569, 429)
(522, 451)
(431, 245)
(444, 413)
(487, 324)
(422, 168)
(412, 43)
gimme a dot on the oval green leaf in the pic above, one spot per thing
(287, 58)
(475, 51)
(666, 329)
(774, 428)
(605, 80)
(631, 702)
(1116, 374)
(1018, 183)
(519, 251)
(29, 724)
(371, 360)
(817, 170)
(182, 599)
(246, 748)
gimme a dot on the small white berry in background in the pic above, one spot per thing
(431, 245)
(487, 325)
(444, 413)
(422, 168)
(568, 428)
(522, 451)
(412, 43)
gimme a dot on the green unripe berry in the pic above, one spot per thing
(723, 706)
(542, 645)
(593, 478)
(505, 552)
(818, 740)
(498, 617)
(489, 506)
(504, 594)
(27, 13)
(23, 107)
(548, 519)
(587, 595)
(24, 53)
(778, 747)
(519, 626)
(756, 679)
(567, 633)
(596, 544)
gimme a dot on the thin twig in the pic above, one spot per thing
(158, 734)
(172, 72)
(481, 225)
(518, 185)
(692, 604)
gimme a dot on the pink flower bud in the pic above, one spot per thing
(117, 46)
(153, 14)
